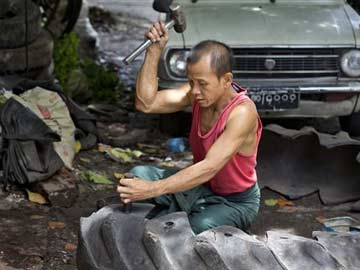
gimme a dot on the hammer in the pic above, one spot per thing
(177, 21)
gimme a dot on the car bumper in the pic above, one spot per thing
(311, 108)
(317, 109)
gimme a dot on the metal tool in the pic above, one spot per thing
(177, 21)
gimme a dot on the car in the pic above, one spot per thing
(297, 58)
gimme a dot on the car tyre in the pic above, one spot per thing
(39, 52)
(12, 24)
(64, 17)
(41, 74)
(351, 124)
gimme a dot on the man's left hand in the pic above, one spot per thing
(136, 189)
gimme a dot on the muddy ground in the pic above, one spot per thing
(34, 236)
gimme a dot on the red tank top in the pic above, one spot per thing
(239, 173)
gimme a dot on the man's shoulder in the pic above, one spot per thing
(244, 115)
(246, 107)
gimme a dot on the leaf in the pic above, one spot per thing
(137, 153)
(120, 155)
(36, 197)
(169, 164)
(86, 160)
(77, 146)
(104, 147)
(119, 175)
(97, 178)
(271, 202)
(284, 202)
(70, 247)
(56, 225)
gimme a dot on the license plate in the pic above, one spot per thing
(275, 100)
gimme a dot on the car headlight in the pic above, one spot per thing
(350, 63)
(177, 62)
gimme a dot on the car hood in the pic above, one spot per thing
(268, 25)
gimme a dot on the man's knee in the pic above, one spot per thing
(204, 221)
(141, 171)
(199, 225)
(152, 173)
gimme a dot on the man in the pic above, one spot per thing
(220, 187)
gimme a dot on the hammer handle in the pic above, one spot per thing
(127, 207)
(144, 46)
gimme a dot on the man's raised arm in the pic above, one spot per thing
(148, 98)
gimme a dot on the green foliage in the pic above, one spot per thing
(83, 79)
(103, 83)
(66, 58)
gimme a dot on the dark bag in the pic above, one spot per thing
(28, 154)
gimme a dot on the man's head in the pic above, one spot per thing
(220, 55)
(209, 69)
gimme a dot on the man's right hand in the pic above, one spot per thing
(159, 35)
(148, 98)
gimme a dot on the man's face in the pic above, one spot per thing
(206, 87)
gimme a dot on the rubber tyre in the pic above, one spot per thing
(351, 124)
(12, 28)
(4, 7)
(41, 74)
(40, 55)
(64, 18)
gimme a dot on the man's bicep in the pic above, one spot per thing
(171, 100)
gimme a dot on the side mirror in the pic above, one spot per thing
(162, 5)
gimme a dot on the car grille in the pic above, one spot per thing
(285, 63)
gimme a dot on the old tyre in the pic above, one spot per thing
(40, 74)
(61, 15)
(12, 23)
(351, 124)
(4, 8)
(39, 52)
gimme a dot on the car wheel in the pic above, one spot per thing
(12, 24)
(351, 124)
(39, 52)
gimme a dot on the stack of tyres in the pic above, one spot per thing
(61, 15)
(13, 39)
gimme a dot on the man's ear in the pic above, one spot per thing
(228, 79)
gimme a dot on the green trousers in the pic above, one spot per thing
(205, 209)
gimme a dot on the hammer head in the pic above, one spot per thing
(178, 16)
(162, 5)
